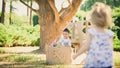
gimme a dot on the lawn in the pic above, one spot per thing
(23, 57)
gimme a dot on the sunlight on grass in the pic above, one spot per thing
(117, 58)
(117, 61)
(18, 58)
(23, 58)
(2, 51)
(37, 60)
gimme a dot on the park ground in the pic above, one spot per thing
(30, 57)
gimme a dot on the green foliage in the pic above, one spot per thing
(20, 33)
(118, 34)
(115, 28)
(80, 14)
(116, 17)
(3, 34)
(0, 14)
(35, 20)
(17, 35)
(116, 43)
(37, 42)
(89, 3)
(116, 12)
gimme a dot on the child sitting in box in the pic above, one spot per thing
(65, 40)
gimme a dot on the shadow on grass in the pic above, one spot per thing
(37, 51)
(32, 64)
(37, 64)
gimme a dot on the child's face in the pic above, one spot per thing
(66, 35)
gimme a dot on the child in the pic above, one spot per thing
(99, 39)
(65, 41)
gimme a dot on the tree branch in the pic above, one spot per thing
(37, 1)
(70, 11)
(28, 6)
(69, 3)
(63, 9)
(51, 2)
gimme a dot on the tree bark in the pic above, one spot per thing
(10, 18)
(3, 12)
(30, 14)
(48, 27)
(27, 9)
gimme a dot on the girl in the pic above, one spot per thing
(99, 39)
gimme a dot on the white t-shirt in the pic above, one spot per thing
(64, 42)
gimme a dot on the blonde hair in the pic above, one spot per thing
(101, 15)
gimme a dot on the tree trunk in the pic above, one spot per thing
(10, 18)
(48, 34)
(27, 9)
(30, 13)
(48, 28)
(3, 11)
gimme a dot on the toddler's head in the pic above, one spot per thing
(101, 15)
(66, 33)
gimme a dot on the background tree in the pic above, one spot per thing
(3, 11)
(10, 18)
(12, 8)
(30, 20)
(29, 11)
(51, 21)
(27, 8)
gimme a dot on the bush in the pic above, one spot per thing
(116, 18)
(3, 33)
(118, 34)
(117, 21)
(116, 44)
(116, 12)
(80, 14)
(17, 35)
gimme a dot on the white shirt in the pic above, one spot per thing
(64, 42)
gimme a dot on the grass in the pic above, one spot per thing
(18, 58)
(117, 61)
(117, 58)
(30, 60)
(2, 51)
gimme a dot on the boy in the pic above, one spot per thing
(65, 40)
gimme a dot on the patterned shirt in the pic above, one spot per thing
(100, 53)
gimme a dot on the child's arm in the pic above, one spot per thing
(85, 46)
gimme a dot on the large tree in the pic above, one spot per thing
(51, 21)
